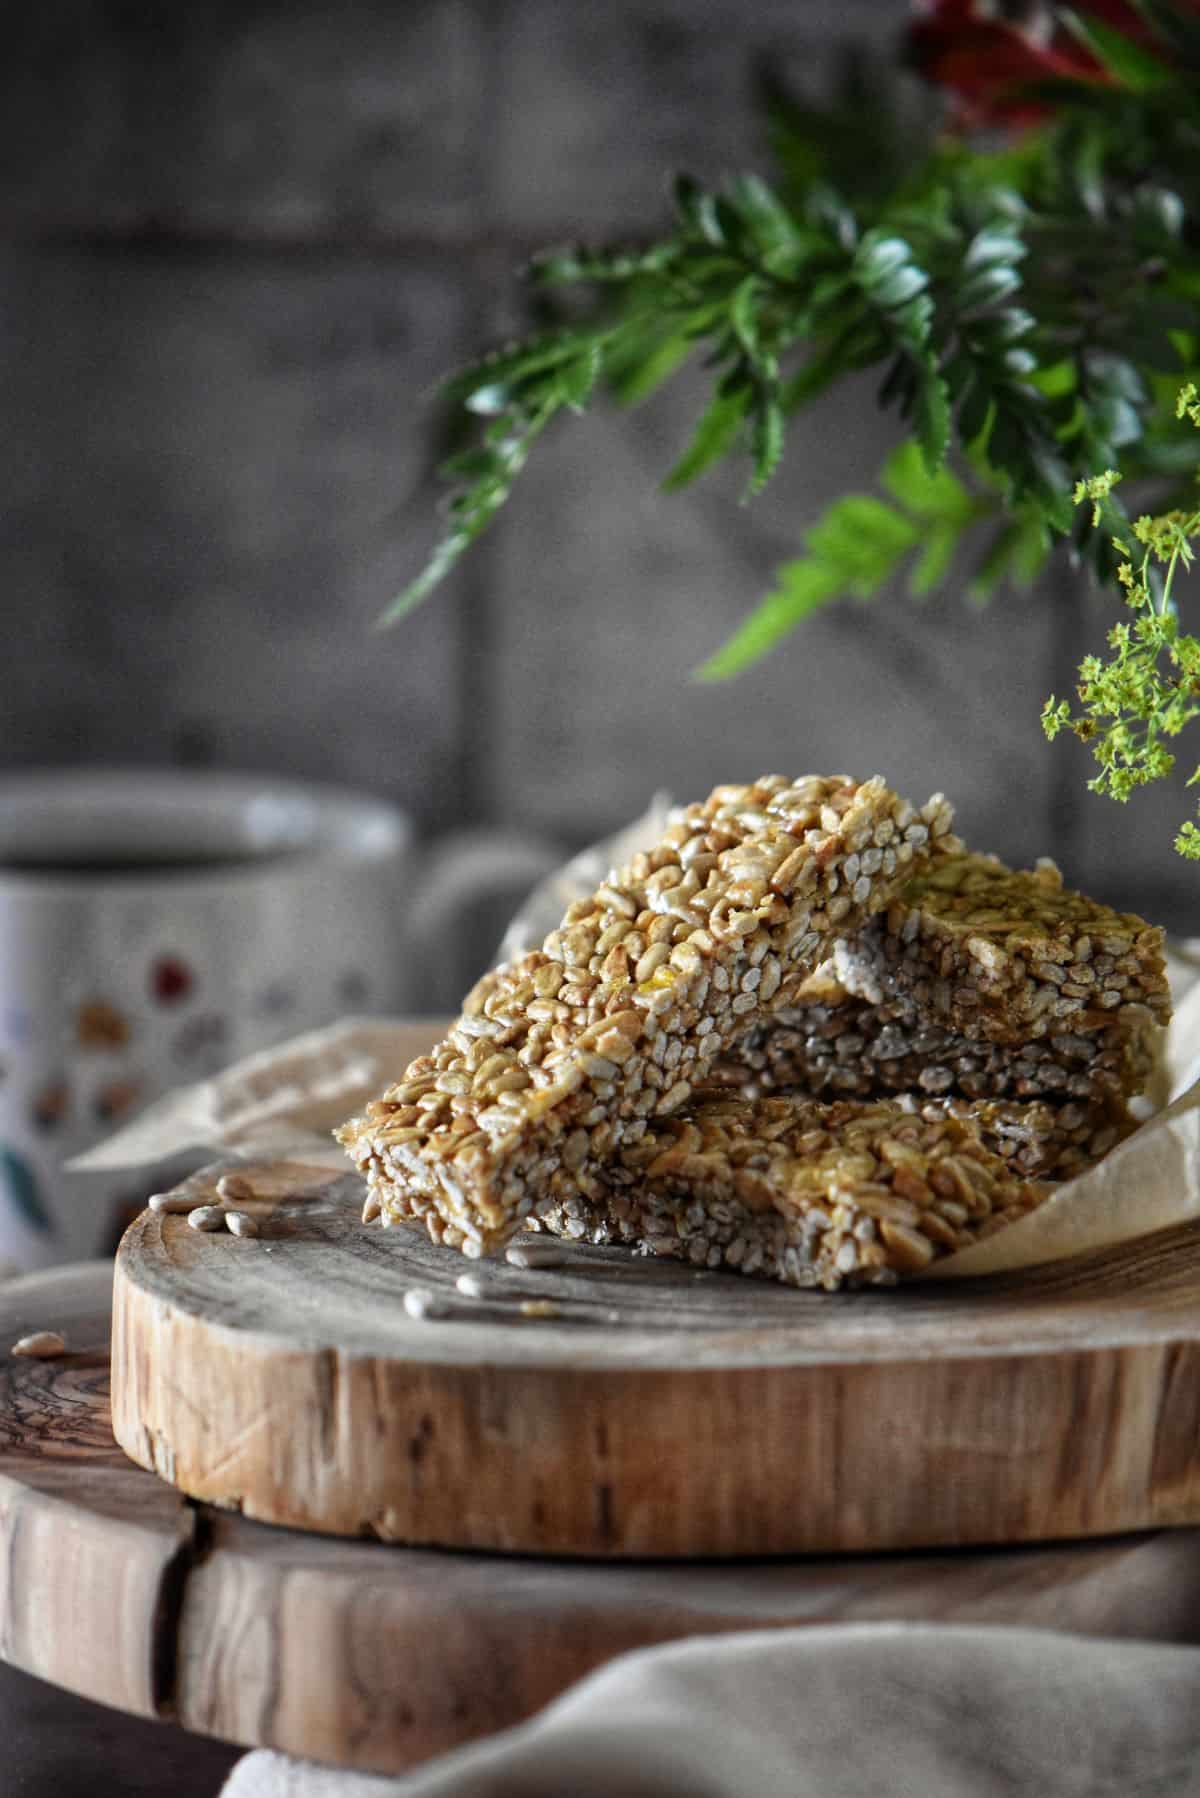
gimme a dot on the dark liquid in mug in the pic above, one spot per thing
(110, 864)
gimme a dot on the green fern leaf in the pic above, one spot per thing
(718, 429)
(804, 587)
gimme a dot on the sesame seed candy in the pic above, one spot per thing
(1039, 1140)
(1008, 956)
(571, 1038)
(830, 1044)
(809, 1193)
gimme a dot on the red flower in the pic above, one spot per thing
(991, 54)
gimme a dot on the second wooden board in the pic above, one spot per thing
(657, 1410)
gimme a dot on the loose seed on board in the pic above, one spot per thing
(569, 1312)
(235, 1187)
(174, 1202)
(207, 1217)
(535, 1253)
(239, 1224)
(474, 1286)
(419, 1301)
(540, 1308)
(43, 1345)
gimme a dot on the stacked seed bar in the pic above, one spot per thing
(1004, 986)
(568, 1053)
(987, 989)
(802, 1191)
(1009, 957)
(1045, 1142)
(831, 1044)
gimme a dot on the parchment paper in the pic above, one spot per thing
(285, 1101)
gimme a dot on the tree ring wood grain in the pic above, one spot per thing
(281, 1376)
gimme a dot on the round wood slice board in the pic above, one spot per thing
(363, 1655)
(664, 1411)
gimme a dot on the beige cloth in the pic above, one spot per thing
(876, 1711)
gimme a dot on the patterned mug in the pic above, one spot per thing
(154, 926)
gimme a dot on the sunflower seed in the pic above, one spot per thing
(43, 1345)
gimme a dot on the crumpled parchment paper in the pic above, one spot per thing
(284, 1101)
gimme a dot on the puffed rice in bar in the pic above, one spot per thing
(1008, 956)
(810, 1193)
(833, 1045)
(1041, 1141)
(566, 1054)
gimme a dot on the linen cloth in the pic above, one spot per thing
(858, 1711)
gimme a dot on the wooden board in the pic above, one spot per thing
(114, 1585)
(666, 1411)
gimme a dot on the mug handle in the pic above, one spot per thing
(487, 873)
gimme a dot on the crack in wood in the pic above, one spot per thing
(191, 1551)
(605, 1522)
(326, 1376)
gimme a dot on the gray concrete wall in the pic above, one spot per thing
(237, 245)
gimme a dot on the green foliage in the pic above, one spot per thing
(1125, 61)
(1148, 690)
(519, 390)
(875, 132)
(858, 546)
(1029, 311)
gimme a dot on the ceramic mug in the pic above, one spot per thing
(156, 926)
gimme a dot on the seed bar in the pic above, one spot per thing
(810, 1193)
(564, 1055)
(833, 1045)
(1041, 1141)
(1009, 957)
